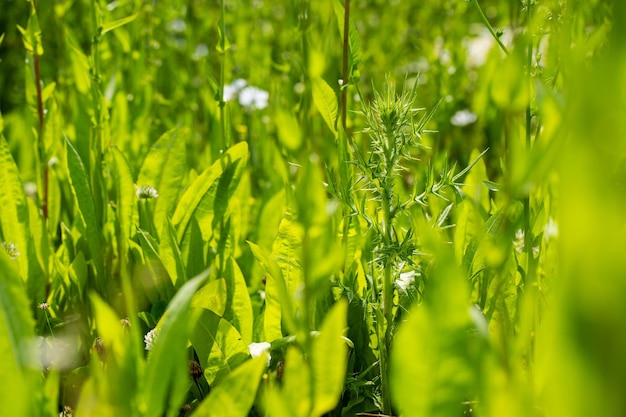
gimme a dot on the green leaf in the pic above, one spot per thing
(16, 336)
(235, 396)
(239, 306)
(431, 366)
(293, 398)
(16, 227)
(329, 360)
(212, 296)
(277, 299)
(167, 363)
(164, 169)
(109, 26)
(31, 36)
(218, 345)
(86, 209)
(325, 100)
(288, 130)
(195, 194)
(126, 207)
(116, 384)
(170, 254)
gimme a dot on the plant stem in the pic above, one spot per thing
(489, 27)
(385, 346)
(344, 70)
(40, 117)
(528, 237)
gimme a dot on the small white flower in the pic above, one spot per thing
(463, 118)
(44, 306)
(231, 91)
(146, 191)
(201, 51)
(550, 230)
(405, 280)
(30, 189)
(257, 349)
(253, 98)
(150, 338)
(518, 243)
(177, 26)
(11, 249)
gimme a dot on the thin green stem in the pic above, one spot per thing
(528, 237)
(387, 297)
(489, 27)
(48, 321)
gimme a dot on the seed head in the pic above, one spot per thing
(147, 192)
(150, 338)
(195, 370)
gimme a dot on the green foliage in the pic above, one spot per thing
(189, 226)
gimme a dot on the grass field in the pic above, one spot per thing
(313, 208)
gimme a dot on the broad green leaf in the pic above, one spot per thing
(109, 26)
(213, 211)
(212, 296)
(431, 367)
(239, 306)
(86, 208)
(116, 384)
(194, 195)
(126, 198)
(170, 255)
(218, 345)
(164, 169)
(17, 337)
(293, 398)
(325, 100)
(79, 64)
(329, 360)
(286, 251)
(193, 249)
(167, 363)
(288, 130)
(277, 300)
(16, 228)
(158, 274)
(235, 395)
(14, 210)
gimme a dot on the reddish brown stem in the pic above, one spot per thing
(344, 70)
(44, 203)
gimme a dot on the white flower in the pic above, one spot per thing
(11, 249)
(231, 91)
(177, 26)
(150, 338)
(550, 230)
(405, 280)
(253, 98)
(518, 243)
(257, 349)
(146, 191)
(201, 51)
(463, 118)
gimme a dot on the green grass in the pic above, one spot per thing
(237, 209)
